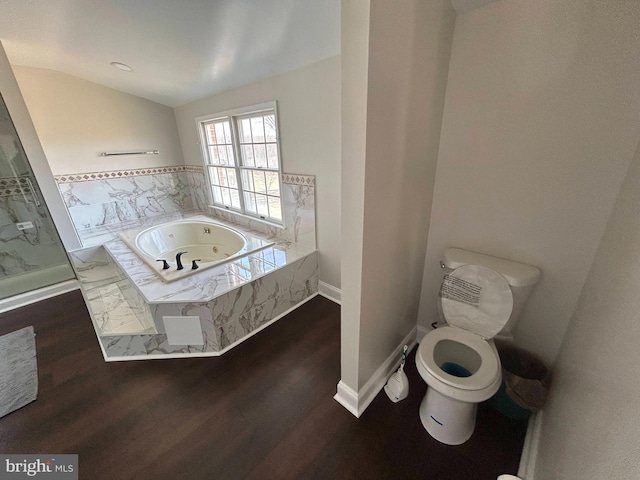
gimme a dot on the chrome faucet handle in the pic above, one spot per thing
(165, 264)
(194, 265)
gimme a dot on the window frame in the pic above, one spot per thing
(234, 116)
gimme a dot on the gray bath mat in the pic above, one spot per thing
(18, 370)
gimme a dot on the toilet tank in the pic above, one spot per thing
(521, 278)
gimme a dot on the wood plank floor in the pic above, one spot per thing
(263, 410)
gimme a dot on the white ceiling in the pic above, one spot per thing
(180, 50)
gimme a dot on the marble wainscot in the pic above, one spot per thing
(97, 199)
(138, 316)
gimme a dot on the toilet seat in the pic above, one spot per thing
(476, 303)
(486, 374)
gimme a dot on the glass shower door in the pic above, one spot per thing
(31, 253)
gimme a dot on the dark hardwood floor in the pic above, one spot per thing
(263, 410)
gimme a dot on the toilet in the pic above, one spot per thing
(480, 299)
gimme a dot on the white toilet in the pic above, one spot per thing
(481, 298)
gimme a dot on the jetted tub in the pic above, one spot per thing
(208, 243)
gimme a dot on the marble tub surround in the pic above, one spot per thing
(197, 184)
(102, 199)
(298, 201)
(101, 203)
(261, 301)
(101, 234)
(208, 284)
(128, 303)
(226, 320)
(259, 291)
(135, 313)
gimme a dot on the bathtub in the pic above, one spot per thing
(206, 242)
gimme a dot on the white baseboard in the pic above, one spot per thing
(348, 398)
(357, 402)
(329, 291)
(526, 470)
(34, 296)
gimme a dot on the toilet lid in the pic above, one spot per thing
(476, 299)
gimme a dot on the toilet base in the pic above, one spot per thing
(447, 420)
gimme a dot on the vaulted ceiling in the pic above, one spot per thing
(179, 50)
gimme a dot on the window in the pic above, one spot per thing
(242, 161)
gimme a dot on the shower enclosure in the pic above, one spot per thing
(31, 253)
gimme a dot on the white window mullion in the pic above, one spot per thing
(238, 154)
(206, 161)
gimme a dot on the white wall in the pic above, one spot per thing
(76, 120)
(388, 166)
(309, 120)
(591, 424)
(540, 125)
(33, 149)
(355, 63)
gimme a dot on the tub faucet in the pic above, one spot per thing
(165, 264)
(179, 260)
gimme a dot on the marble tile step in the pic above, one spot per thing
(115, 306)
(116, 316)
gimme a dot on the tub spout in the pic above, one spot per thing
(179, 260)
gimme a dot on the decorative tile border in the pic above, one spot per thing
(297, 179)
(10, 186)
(87, 177)
(290, 178)
(194, 169)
